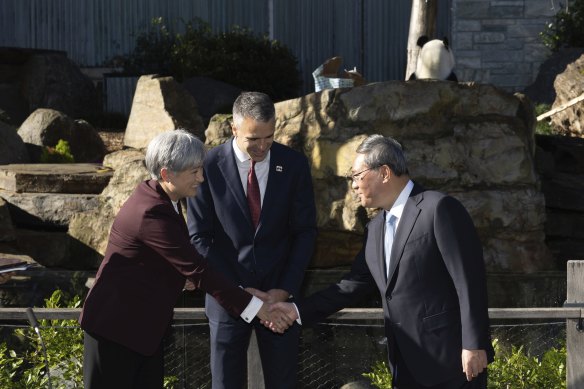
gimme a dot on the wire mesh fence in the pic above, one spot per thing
(331, 354)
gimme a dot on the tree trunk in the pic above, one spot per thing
(422, 22)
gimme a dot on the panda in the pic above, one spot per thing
(435, 60)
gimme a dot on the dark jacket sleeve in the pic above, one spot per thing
(167, 238)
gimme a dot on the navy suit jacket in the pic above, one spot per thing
(146, 263)
(434, 300)
(277, 253)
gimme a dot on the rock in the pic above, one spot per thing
(160, 104)
(54, 178)
(569, 85)
(542, 90)
(47, 210)
(566, 153)
(45, 127)
(51, 80)
(129, 171)
(473, 141)
(6, 227)
(12, 148)
(13, 103)
(219, 130)
(561, 165)
(91, 229)
(49, 248)
(564, 191)
(212, 96)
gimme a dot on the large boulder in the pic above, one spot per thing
(51, 80)
(212, 96)
(541, 91)
(160, 104)
(475, 142)
(92, 228)
(12, 148)
(45, 127)
(569, 85)
(6, 227)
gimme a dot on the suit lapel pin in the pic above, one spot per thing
(279, 168)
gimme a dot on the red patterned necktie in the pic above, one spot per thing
(253, 195)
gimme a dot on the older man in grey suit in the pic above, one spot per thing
(423, 254)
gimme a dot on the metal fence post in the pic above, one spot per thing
(574, 327)
(255, 374)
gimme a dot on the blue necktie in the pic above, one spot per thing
(388, 241)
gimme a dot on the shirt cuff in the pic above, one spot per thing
(299, 320)
(252, 309)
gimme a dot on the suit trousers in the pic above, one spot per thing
(229, 343)
(404, 379)
(109, 365)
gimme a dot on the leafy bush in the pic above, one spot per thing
(567, 29)
(61, 153)
(238, 57)
(512, 368)
(516, 369)
(380, 377)
(543, 127)
(24, 366)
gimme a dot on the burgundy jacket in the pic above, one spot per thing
(147, 260)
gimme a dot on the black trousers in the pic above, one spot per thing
(109, 365)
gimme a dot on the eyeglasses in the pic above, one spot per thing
(359, 176)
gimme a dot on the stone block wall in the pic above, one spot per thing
(473, 141)
(497, 42)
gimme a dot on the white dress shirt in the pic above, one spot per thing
(262, 169)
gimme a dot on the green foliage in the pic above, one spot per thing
(380, 377)
(516, 369)
(512, 368)
(61, 153)
(567, 28)
(238, 57)
(25, 366)
(543, 127)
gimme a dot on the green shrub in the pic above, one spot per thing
(238, 57)
(567, 28)
(61, 153)
(23, 366)
(516, 369)
(512, 368)
(543, 127)
(380, 377)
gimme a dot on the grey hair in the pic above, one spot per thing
(255, 105)
(382, 150)
(176, 150)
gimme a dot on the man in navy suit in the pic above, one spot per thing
(423, 254)
(254, 220)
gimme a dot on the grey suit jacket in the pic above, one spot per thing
(435, 298)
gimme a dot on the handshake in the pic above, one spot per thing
(275, 313)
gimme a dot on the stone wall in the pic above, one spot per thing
(473, 141)
(498, 42)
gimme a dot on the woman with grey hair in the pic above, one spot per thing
(147, 261)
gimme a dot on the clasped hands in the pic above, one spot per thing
(275, 313)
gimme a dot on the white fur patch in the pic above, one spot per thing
(435, 61)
